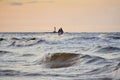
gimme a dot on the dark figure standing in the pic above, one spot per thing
(54, 30)
(60, 31)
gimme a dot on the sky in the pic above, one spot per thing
(71, 15)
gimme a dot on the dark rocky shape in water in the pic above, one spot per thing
(1, 39)
(33, 38)
(59, 60)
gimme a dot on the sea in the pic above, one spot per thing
(49, 56)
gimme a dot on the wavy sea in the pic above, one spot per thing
(71, 56)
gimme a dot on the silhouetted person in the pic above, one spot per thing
(60, 31)
(54, 30)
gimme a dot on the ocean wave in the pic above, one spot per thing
(25, 42)
(96, 60)
(31, 41)
(89, 38)
(69, 56)
(106, 68)
(9, 72)
(61, 60)
(88, 59)
(4, 52)
(110, 68)
(108, 49)
(109, 36)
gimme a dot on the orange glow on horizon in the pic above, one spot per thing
(73, 15)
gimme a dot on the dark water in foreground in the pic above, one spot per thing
(72, 56)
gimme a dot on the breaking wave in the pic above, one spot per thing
(61, 60)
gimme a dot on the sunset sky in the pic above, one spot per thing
(71, 15)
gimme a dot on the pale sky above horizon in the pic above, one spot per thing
(71, 15)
